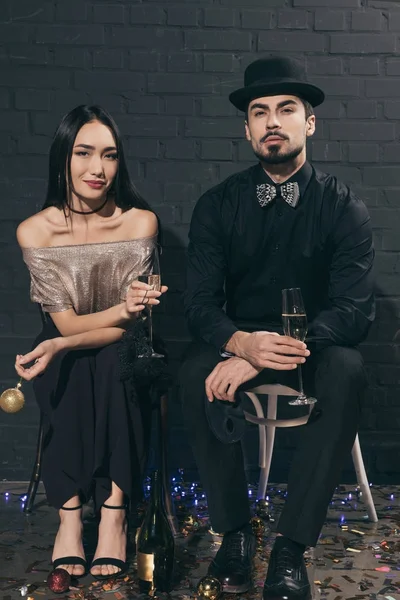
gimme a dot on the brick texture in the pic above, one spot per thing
(164, 69)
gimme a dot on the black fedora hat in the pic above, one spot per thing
(273, 76)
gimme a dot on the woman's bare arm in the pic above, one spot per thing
(139, 295)
(92, 339)
(70, 324)
(44, 352)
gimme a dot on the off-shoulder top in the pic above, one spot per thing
(87, 277)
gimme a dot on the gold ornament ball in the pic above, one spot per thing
(12, 400)
(262, 509)
(209, 587)
(257, 526)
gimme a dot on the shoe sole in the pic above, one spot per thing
(237, 589)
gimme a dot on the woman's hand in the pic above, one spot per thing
(41, 356)
(139, 296)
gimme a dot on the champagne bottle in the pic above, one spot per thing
(155, 543)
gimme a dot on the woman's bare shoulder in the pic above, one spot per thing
(141, 223)
(37, 230)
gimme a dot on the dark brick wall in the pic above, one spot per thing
(164, 70)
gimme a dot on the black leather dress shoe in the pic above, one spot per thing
(233, 563)
(287, 576)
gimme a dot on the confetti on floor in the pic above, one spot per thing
(354, 559)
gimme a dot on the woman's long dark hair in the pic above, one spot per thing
(125, 193)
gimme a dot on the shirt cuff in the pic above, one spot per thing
(225, 353)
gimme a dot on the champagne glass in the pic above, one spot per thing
(152, 278)
(295, 325)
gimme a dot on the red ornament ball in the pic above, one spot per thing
(59, 581)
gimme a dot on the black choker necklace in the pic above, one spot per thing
(88, 212)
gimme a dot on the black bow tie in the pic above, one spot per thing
(267, 192)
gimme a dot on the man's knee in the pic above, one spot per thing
(343, 366)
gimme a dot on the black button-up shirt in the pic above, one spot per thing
(241, 256)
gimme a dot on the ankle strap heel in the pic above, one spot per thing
(121, 565)
(72, 508)
(123, 506)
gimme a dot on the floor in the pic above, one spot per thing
(353, 560)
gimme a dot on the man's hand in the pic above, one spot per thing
(227, 376)
(268, 350)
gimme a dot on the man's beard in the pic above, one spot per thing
(275, 156)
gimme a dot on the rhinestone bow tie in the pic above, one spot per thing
(290, 192)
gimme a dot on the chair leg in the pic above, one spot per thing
(270, 433)
(261, 429)
(363, 480)
(37, 467)
(169, 507)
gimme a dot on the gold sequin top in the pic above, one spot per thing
(87, 277)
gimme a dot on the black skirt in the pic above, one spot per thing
(97, 429)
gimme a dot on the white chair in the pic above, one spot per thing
(266, 427)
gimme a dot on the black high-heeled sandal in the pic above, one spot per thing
(75, 561)
(115, 562)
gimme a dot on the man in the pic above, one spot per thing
(278, 224)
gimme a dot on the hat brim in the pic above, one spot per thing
(242, 97)
(226, 420)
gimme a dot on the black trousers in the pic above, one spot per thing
(336, 376)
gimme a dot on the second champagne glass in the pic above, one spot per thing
(295, 325)
(153, 278)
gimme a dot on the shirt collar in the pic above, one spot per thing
(302, 177)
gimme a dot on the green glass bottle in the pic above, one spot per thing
(155, 543)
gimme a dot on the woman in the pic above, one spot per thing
(85, 250)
